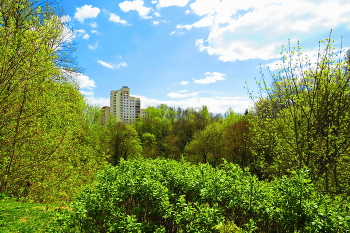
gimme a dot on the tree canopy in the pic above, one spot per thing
(41, 107)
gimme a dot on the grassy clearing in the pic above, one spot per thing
(25, 217)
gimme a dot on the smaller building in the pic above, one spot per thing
(105, 114)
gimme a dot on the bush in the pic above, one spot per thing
(167, 196)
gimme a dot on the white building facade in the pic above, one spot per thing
(124, 107)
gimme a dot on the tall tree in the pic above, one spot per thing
(206, 146)
(310, 124)
(126, 143)
(236, 140)
(41, 108)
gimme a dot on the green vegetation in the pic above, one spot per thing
(25, 217)
(43, 151)
(304, 121)
(283, 166)
(162, 195)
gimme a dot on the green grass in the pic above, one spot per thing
(25, 217)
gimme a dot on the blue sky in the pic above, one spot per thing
(190, 53)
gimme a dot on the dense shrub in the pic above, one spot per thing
(167, 196)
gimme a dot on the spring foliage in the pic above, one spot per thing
(161, 195)
(291, 150)
(42, 156)
(303, 119)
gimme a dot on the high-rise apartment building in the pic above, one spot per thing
(124, 107)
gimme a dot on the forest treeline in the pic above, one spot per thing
(52, 143)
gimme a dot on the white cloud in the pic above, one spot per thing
(212, 78)
(97, 101)
(199, 43)
(167, 3)
(81, 32)
(154, 2)
(272, 65)
(206, 21)
(309, 60)
(94, 46)
(122, 64)
(184, 82)
(157, 14)
(112, 66)
(105, 64)
(159, 21)
(67, 35)
(175, 32)
(215, 104)
(136, 5)
(86, 92)
(85, 81)
(116, 19)
(85, 12)
(187, 12)
(180, 95)
(93, 24)
(95, 32)
(256, 29)
(66, 19)
(86, 36)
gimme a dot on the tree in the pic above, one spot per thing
(206, 146)
(154, 122)
(41, 108)
(171, 147)
(149, 145)
(310, 124)
(236, 140)
(126, 143)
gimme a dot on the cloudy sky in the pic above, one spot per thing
(190, 53)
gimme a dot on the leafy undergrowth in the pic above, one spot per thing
(167, 196)
(25, 217)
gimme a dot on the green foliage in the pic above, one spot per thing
(25, 217)
(42, 151)
(156, 122)
(125, 142)
(52, 143)
(303, 119)
(167, 196)
(172, 129)
(3, 196)
(198, 135)
(236, 142)
(206, 146)
(149, 145)
(228, 227)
